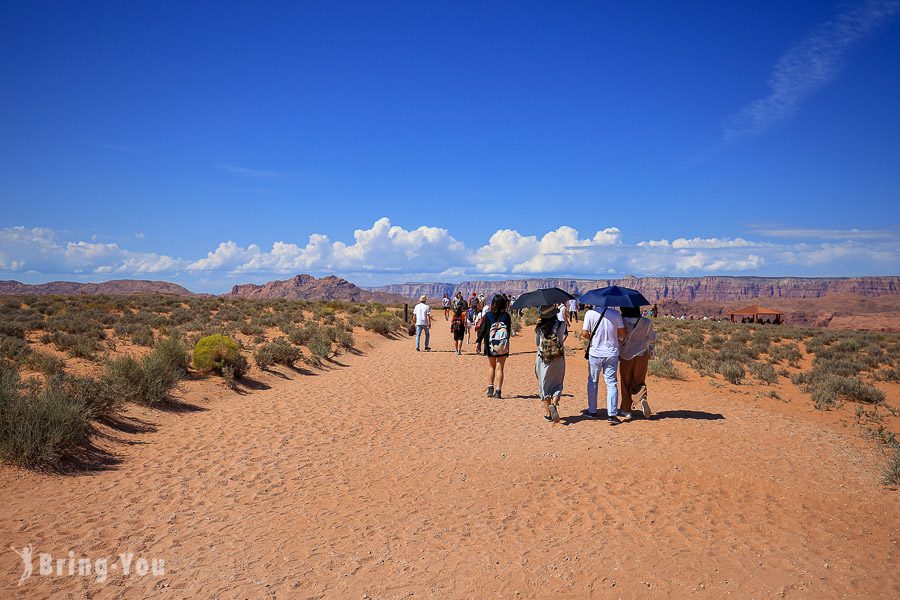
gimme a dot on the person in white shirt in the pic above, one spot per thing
(605, 331)
(561, 312)
(422, 314)
(573, 310)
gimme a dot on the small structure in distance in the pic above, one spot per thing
(757, 314)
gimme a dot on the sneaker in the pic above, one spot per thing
(590, 415)
(548, 419)
(627, 416)
(497, 393)
(554, 413)
(427, 349)
(645, 406)
(417, 350)
(490, 391)
(613, 420)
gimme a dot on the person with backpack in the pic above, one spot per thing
(496, 326)
(458, 325)
(604, 331)
(550, 362)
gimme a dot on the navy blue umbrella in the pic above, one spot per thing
(542, 297)
(614, 296)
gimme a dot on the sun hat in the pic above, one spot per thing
(423, 298)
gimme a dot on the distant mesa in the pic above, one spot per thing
(678, 289)
(118, 287)
(307, 287)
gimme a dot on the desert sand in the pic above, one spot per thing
(389, 475)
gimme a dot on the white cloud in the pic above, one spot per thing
(245, 172)
(824, 234)
(39, 249)
(561, 250)
(809, 65)
(385, 252)
(698, 242)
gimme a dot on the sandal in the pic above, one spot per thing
(554, 413)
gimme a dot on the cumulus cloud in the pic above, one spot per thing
(386, 252)
(561, 250)
(39, 249)
(810, 64)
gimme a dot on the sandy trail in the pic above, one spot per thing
(393, 477)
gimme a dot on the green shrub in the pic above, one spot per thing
(664, 367)
(13, 348)
(146, 381)
(383, 324)
(732, 371)
(891, 473)
(217, 351)
(45, 363)
(279, 351)
(12, 329)
(96, 394)
(764, 372)
(827, 389)
(174, 353)
(39, 424)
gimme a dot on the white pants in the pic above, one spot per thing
(607, 367)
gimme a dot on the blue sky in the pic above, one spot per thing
(217, 143)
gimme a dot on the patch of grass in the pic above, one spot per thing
(45, 363)
(383, 323)
(148, 381)
(828, 389)
(764, 372)
(664, 367)
(890, 475)
(279, 351)
(13, 348)
(732, 371)
(40, 425)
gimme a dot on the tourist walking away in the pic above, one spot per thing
(550, 362)
(634, 355)
(445, 302)
(573, 310)
(458, 325)
(471, 318)
(457, 302)
(422, 314)
(604, 331)
(493, 336)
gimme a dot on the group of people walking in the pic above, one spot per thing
(619, 344)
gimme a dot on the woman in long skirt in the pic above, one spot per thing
(550, 362)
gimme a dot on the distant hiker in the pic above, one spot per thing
(550, 362)
(573, 310)
(458, 325)
(457, 302)
(422, 313)
(604, 331)
(472, 315)
(634, 355)
(446, 304)
(494, 332)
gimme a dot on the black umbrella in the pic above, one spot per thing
(614, 296)
(542, 297)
